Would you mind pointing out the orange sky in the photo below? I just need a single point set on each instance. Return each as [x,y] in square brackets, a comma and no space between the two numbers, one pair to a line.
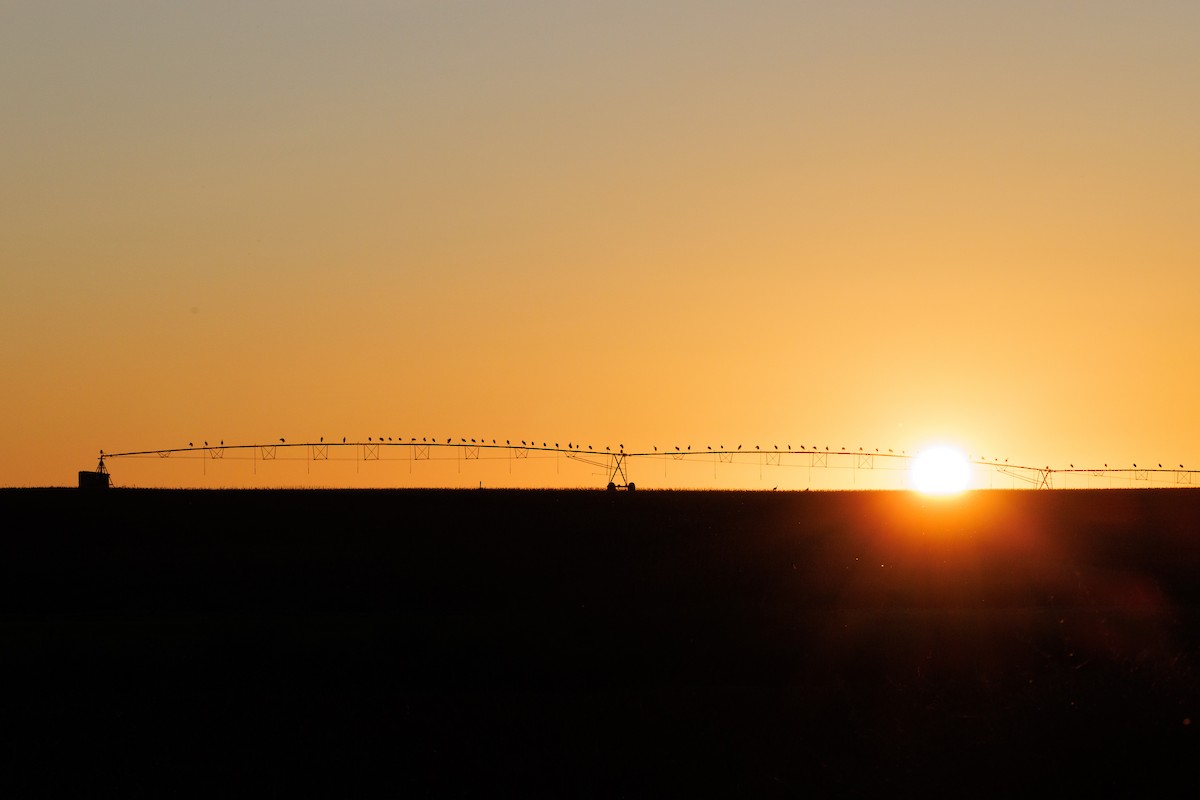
[864,224]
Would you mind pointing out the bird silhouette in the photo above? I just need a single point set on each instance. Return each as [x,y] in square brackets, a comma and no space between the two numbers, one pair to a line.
[676,447]
[222,443]
[190,444]
[689,447]
[321,439]
[710,447]
[281,441]
[739,447]
[656,448]
[343,440]
[756,447]
[1160,466]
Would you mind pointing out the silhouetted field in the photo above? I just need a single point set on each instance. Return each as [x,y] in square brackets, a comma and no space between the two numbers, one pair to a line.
[577,643]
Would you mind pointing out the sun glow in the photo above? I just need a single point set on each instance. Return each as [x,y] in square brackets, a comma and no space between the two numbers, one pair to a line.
[940,470]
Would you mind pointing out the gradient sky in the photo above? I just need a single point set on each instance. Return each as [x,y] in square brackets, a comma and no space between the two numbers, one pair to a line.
[866,224]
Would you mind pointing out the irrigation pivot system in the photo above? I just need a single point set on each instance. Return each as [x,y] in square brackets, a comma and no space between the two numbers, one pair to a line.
[614,463]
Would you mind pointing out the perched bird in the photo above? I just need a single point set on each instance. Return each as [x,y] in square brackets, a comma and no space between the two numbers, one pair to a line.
[739,447]
[206,445]
[190,444]
[281,441]
[320,439]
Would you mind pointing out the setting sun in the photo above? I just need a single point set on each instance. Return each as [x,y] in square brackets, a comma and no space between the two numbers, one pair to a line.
[940,470]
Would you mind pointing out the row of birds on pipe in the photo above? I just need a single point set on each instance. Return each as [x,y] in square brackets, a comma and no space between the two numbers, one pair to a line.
[556,445]
[621,447]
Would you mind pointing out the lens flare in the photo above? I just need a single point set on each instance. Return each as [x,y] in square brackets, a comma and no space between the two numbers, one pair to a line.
[941,469]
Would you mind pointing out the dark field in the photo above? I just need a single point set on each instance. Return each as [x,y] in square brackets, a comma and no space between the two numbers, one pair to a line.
[484,643]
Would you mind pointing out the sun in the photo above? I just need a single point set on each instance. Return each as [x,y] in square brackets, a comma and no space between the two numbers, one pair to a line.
[940,469]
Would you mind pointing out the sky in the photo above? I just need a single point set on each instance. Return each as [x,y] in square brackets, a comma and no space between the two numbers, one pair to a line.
[859,224]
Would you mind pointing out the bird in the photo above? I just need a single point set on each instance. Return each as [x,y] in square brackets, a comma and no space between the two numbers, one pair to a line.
[689,447]
[756,447]
[739,447]
[776,447]
[1160,466]
[589,447]
[281,441]
[676,447]
[710,447]
[656,448]
[190,444]
[368,438]
[789,447]
[506,441]
[801,447]
[522,441]
[321,439]
[206,445]
[343,440]
[222,443]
